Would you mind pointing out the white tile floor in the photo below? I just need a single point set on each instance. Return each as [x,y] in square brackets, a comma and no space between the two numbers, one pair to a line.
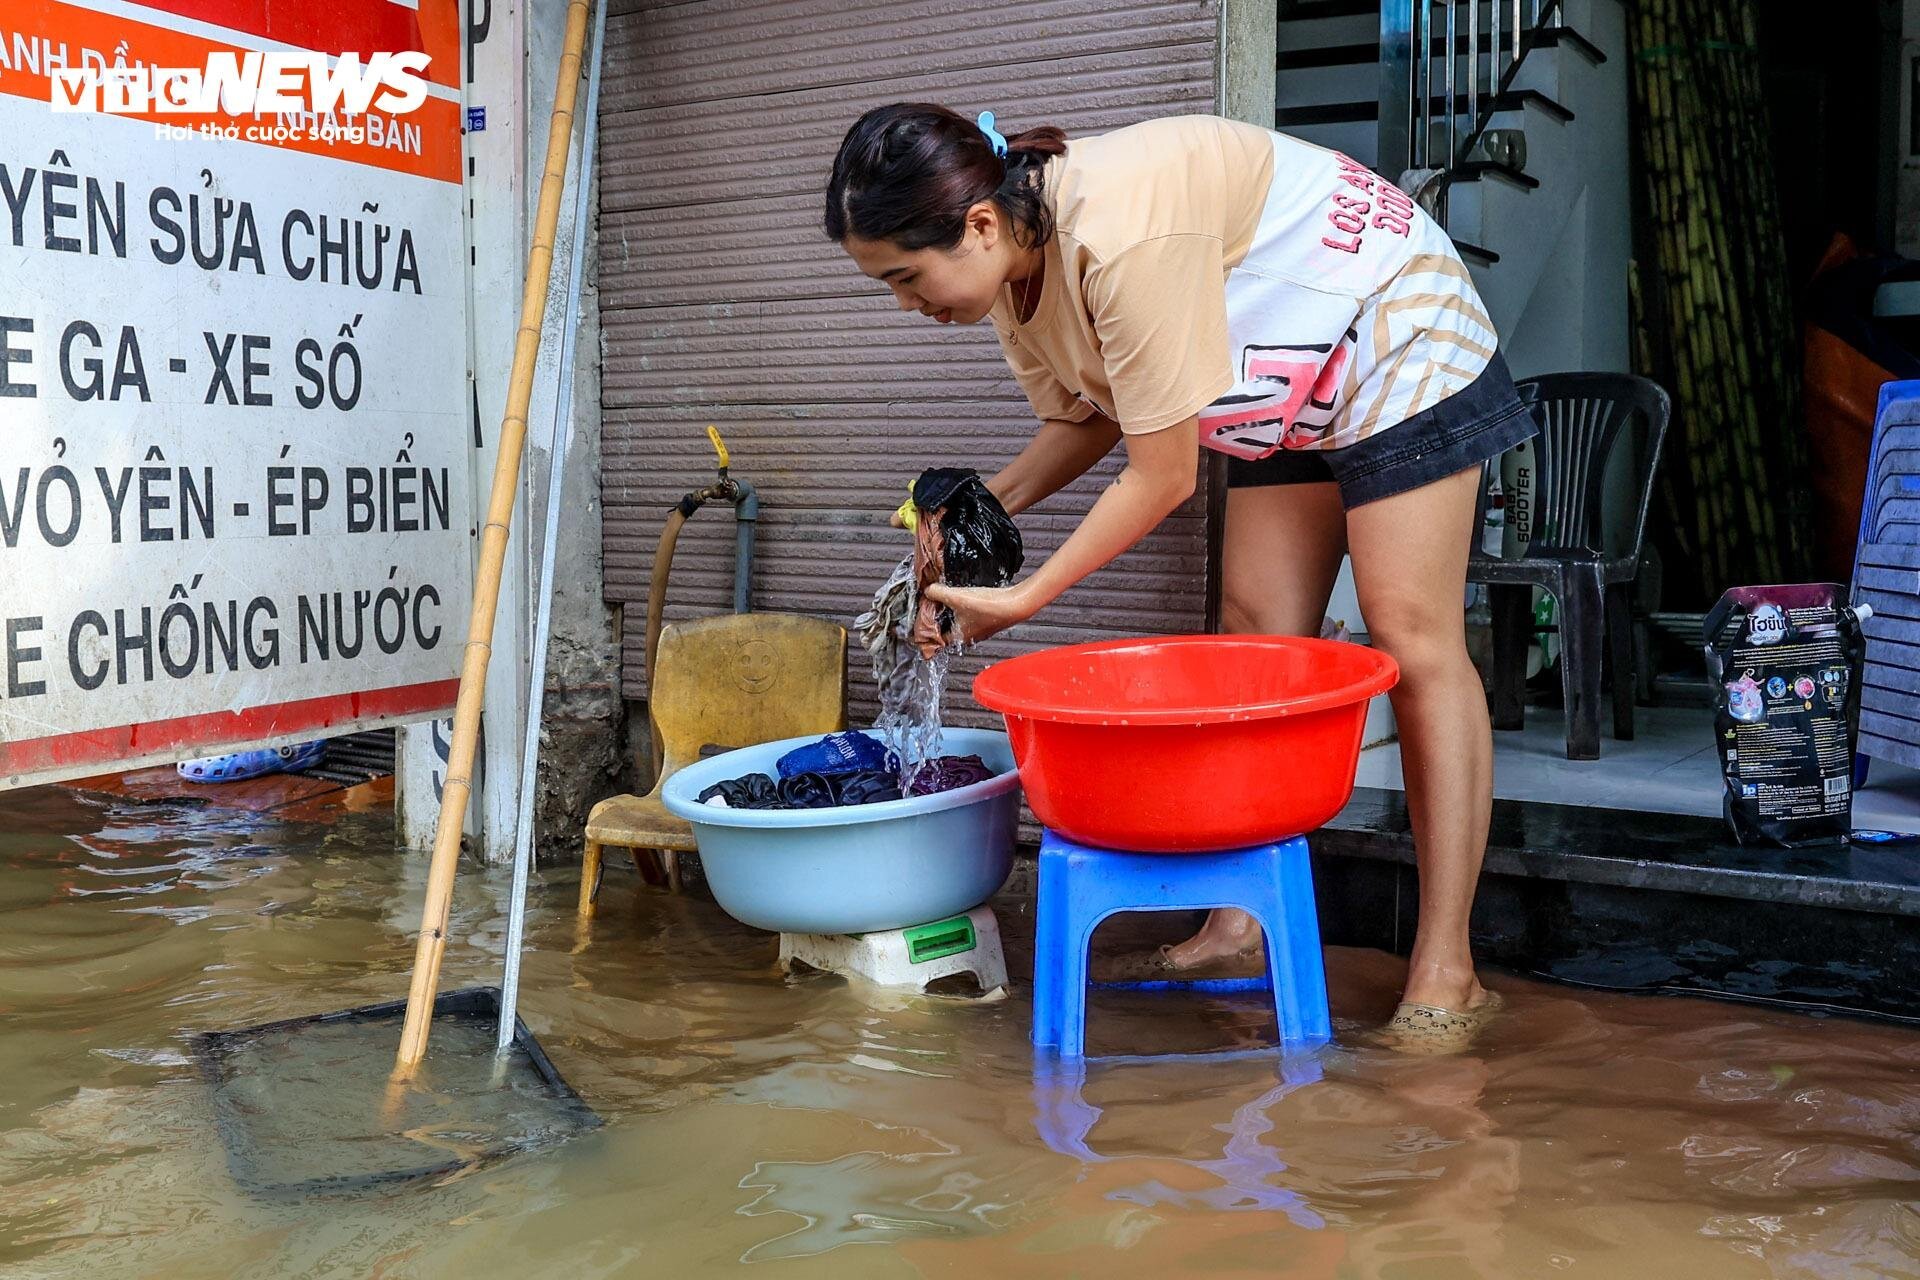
[1669,767]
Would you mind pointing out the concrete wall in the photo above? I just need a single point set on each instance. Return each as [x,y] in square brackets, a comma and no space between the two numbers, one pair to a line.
[582,731]
[516,54]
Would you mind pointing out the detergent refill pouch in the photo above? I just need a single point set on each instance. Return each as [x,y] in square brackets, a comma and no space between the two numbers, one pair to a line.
[1785,663]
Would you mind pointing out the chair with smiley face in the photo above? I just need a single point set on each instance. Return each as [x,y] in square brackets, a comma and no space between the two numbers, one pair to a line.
[720,683]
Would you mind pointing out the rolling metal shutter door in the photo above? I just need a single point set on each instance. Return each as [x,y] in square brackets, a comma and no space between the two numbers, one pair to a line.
[721,301]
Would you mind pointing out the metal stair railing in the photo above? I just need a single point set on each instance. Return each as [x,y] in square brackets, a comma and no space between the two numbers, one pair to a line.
[1431,57]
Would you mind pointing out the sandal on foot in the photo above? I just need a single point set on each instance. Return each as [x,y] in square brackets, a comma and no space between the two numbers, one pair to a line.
[1427,1030]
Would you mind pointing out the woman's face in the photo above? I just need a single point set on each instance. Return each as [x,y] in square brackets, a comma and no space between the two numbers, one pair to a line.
[953,286]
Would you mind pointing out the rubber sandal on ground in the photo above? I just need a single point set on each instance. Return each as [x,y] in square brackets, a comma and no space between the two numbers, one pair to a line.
[1157,966]
[1427,1030]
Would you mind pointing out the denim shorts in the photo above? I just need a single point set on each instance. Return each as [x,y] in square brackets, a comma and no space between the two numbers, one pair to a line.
[1480,421]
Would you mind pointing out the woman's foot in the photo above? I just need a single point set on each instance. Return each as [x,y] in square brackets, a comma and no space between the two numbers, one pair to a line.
[1228,932]
[1157,965]
[1443,986]
[1227,946]
[1442,1009]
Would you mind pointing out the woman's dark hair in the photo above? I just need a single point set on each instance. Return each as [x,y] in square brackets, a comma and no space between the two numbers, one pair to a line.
[908,173]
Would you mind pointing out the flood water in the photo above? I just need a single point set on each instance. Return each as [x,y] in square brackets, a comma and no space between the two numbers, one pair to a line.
[800,1127]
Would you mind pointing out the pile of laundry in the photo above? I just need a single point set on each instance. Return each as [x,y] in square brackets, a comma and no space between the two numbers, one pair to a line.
[842,769]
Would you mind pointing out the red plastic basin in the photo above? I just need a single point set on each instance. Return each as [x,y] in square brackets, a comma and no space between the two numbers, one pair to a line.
[1187,743]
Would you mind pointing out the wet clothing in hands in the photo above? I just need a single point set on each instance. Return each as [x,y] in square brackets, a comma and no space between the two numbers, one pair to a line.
[964,538]
[886,627]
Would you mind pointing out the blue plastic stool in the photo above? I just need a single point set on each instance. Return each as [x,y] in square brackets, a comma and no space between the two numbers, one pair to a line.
[1081,886]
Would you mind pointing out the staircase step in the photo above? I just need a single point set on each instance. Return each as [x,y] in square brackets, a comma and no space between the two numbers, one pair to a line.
[1511,100]
[1345,112]
[1300,10]
[1474,170]
[1333,55]
[1474,252]
[1568,38]
[1541,38]
[1344,54]
[1317,26]
[1327,113]
[1359,139]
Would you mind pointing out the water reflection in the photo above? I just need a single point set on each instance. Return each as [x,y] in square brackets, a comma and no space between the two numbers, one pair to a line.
[1250,1172]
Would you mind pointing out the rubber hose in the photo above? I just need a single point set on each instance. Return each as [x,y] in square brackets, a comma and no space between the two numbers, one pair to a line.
[656,607]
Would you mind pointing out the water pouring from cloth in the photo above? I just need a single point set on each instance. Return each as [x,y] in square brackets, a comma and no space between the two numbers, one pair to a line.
[962,537]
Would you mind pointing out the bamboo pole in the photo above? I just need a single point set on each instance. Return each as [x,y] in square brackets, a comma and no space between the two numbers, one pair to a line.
[493,553]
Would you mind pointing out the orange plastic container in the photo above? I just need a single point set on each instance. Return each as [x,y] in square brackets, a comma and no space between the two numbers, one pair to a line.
[1187,743]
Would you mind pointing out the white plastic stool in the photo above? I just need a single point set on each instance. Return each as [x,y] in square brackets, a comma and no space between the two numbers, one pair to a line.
[912,957]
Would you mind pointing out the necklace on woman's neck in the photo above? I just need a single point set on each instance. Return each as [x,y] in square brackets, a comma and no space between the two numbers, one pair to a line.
[1024,312]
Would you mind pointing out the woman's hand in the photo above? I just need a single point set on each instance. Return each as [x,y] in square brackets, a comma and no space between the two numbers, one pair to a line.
[982,612]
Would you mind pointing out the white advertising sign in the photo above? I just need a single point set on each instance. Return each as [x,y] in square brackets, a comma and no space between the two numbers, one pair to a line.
[235,500]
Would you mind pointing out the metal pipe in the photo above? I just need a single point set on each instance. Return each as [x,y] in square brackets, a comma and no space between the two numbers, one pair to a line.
[1453,117]
[1493,47]
[746,517]
[549,549]
[1393,138]
[1426,85]
[1422,77]
[1473,64]
[1516,35]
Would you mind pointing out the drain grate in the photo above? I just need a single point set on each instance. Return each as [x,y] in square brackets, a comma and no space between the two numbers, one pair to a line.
[355,758]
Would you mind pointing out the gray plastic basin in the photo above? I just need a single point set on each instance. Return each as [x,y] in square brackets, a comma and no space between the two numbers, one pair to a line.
[857,868]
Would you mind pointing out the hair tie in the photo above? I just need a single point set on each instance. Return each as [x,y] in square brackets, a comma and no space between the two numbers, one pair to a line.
[995,138]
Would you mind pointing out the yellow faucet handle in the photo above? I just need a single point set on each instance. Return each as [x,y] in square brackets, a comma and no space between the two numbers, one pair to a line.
[719,446]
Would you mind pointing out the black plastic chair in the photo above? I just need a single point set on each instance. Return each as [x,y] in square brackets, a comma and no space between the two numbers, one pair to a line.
[1585,418]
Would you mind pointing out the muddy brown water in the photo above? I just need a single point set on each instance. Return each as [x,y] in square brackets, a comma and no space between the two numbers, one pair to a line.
[798,1127]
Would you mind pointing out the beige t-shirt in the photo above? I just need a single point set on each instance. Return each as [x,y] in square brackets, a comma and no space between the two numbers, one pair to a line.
[1278,291]
[1132,315]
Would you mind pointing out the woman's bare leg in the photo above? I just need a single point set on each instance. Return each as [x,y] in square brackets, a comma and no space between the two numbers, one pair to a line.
[1282,553]
[1412,595]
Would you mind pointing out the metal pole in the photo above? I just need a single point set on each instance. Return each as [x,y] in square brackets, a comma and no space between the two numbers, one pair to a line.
[556,482]
[1473,64]
[1422,40]
[746,514]
[1426,85]
[1453,116]
[1493,47]
[1516,32]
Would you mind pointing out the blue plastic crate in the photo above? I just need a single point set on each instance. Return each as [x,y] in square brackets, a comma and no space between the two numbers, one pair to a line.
[1886,575]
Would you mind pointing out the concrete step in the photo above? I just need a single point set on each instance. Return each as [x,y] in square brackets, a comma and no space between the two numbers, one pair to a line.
[1317,84]
[1318,25]
[1353,127]
[1359,139]
[1646,902]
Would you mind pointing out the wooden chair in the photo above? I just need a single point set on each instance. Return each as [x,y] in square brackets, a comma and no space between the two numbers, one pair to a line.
[725,682]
